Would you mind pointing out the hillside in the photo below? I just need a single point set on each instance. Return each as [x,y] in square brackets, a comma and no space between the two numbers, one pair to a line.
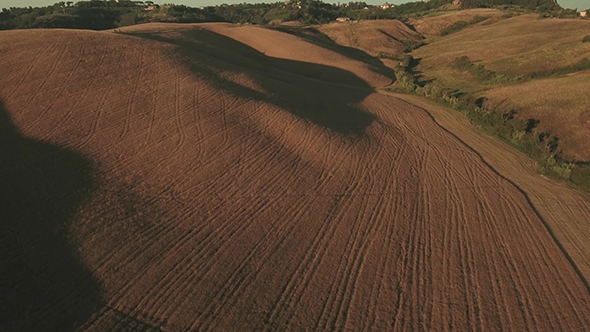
[521,64]
[378,37]
[514,46]
[220,177]
[433,23]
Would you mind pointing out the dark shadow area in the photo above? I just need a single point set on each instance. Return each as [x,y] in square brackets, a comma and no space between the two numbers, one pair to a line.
[323,95]
[388,35]
[316,37]
[410,26]
[414,62]
[419,78]
[479,102]
[43,284]
[531,124]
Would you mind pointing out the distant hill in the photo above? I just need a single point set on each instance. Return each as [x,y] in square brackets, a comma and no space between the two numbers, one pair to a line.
[103,15]
[533,4]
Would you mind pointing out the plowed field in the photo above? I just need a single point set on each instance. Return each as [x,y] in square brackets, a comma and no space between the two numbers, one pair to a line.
[199,179]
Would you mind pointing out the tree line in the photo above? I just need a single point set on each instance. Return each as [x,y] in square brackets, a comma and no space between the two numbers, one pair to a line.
[539,5]
[109,14]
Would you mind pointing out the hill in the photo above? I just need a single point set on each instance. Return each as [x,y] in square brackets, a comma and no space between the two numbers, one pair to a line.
[531,68]
[215,176]
[515,46]
[378,38]
[532,4]
[434,23]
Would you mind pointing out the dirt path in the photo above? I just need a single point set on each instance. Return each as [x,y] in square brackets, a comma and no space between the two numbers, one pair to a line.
[226,198]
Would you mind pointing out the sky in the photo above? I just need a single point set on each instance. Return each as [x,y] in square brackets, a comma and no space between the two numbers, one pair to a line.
[580,4]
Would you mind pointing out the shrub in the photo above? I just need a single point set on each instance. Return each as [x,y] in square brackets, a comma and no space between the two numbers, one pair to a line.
[410,45]
[463,63]
[586,39]
[483,74]
[407,60]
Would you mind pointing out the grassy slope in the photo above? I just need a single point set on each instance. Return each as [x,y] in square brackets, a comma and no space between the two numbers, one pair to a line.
[374,37]
[515,46]
[562,105]
[433,23]
[519,46]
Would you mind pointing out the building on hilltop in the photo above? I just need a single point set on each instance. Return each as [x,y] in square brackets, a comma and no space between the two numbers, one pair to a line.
[584,13]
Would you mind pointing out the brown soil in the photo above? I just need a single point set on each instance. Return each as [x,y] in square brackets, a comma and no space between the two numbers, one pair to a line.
[565,210]
[200,179]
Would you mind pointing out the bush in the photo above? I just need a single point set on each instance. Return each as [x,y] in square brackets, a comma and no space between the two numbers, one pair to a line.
[410,45]
[483,74]
[463,63]
[586,39]
[406,60]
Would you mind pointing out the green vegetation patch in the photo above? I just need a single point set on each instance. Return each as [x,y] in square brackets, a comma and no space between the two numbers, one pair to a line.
[483,75]
[486,76]
[457,26]
[582,65]
[530,4]
[520,133]
[460,25]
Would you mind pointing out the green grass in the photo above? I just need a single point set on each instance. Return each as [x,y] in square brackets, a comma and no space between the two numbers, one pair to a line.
[515,46]
[460,25]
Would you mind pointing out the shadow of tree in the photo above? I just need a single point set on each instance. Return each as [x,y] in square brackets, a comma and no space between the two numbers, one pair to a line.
[323,95]
[41,277]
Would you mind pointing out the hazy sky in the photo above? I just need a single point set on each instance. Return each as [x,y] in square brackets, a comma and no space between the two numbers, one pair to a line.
[580,4]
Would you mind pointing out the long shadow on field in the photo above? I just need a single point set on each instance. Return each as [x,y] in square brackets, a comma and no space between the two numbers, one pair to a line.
[319,38]
[41,277]
[323,95]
